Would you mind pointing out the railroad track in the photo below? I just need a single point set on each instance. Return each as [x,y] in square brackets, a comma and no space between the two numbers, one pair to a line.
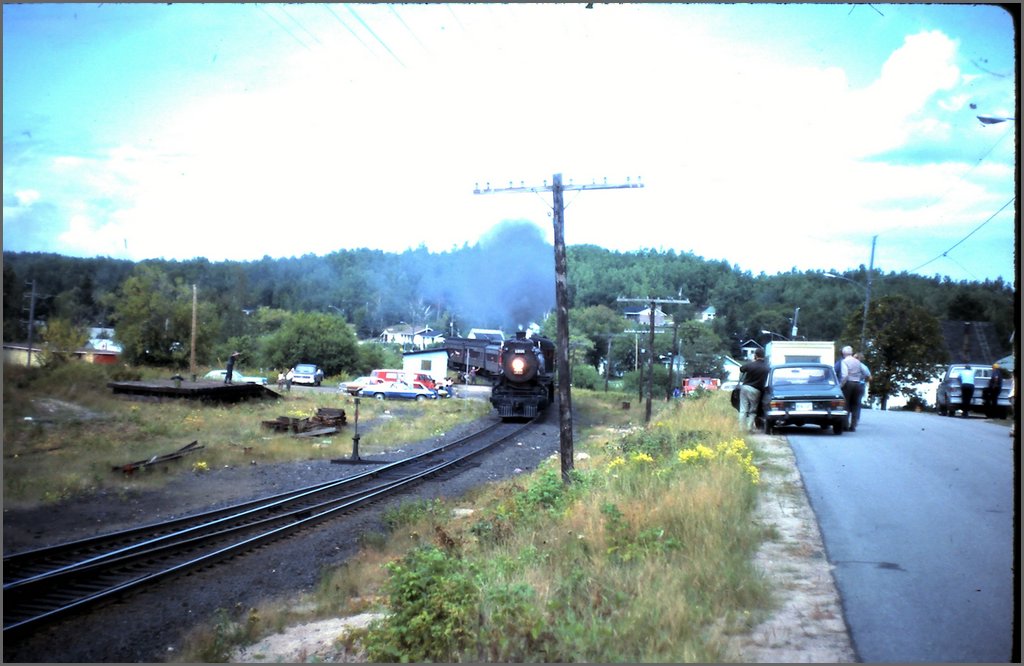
[46,583]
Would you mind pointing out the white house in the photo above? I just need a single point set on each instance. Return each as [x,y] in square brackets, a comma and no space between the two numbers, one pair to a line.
[406,334]
[707,314]
[643,317]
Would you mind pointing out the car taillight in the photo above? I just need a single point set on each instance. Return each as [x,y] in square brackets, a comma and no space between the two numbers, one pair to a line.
[777,404]
[518,365]
[838,404]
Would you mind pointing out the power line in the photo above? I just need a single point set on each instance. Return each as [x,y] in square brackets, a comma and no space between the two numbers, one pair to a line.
[284,27]
[991,217]
[370,30]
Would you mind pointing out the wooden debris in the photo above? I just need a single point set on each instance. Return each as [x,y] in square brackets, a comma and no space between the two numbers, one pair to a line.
[128,468]
[326,421]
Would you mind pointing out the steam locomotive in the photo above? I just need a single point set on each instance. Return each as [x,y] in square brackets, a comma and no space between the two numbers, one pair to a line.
[525,385]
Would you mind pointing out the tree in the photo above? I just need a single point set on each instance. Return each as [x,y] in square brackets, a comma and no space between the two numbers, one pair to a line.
[702,348]
[153,319]
[904,345]
[63,339]
[314,337]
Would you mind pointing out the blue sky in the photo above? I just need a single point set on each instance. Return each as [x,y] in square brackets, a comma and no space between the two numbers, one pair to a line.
[771,136]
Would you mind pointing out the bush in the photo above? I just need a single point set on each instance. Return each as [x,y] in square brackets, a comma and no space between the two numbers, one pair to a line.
[586,377]
[433,601]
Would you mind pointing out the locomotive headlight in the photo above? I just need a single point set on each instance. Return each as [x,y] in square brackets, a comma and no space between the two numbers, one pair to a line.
[518,365]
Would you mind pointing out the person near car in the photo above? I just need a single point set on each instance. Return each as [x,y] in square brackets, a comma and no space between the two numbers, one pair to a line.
[754,376]
[990,394]
[852,384]
[230,369]
[865,379]
[966,390]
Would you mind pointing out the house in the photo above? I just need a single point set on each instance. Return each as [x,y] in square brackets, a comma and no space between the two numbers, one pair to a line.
[732,369]
[707,314]
[643,318]
[433,362]
[973,342]
[747,349]
[21,354]
[408,335]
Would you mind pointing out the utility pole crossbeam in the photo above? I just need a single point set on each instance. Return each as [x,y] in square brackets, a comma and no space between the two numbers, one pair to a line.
[652,303]
[557,188]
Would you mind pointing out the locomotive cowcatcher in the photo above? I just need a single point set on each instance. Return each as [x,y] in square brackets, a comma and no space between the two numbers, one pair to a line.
[526,384]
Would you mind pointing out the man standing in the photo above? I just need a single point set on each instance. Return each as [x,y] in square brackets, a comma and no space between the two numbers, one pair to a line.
[230,368]
[852,384]
[991,392]
[754,376]
[966,390]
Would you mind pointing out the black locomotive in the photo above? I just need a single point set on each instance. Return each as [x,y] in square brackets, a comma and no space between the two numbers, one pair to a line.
[525,385]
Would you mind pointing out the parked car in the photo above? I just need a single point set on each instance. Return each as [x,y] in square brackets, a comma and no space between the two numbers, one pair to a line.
[236,376]
[353,387]
[803,393]
[398,391]
[948,397]
[306,373]
[691,384]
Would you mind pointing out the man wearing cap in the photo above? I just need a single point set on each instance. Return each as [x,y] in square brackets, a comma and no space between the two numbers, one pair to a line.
[991,392]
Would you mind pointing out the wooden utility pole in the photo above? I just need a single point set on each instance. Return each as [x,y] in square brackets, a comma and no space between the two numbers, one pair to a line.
[31,321]
[561,299]
[652,302]
[192,362]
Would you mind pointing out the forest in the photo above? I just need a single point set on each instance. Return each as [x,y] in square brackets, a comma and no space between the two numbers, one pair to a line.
[280,311]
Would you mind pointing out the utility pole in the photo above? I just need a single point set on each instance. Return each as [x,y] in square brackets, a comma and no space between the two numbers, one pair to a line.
[652,303]
[867,297]
[192,362]
[561,299]
[31,320]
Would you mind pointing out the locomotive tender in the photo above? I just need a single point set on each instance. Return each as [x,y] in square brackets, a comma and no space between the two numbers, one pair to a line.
[525,386]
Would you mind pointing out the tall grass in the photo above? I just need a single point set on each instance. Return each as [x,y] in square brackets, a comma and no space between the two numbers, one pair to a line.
[65,431]
[646,556]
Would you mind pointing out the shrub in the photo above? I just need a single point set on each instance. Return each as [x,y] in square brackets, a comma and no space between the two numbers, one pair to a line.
[433,602]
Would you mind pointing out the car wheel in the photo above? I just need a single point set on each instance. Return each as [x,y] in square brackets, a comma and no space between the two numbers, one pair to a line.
[421,398]
[378,396]
[837,427]
[941,409]
[769,427]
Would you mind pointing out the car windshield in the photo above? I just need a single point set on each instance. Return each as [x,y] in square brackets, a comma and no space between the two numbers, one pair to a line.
[802,375]
[305,368]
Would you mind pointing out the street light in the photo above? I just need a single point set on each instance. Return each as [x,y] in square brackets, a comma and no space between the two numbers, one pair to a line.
[867,300]
[765,331]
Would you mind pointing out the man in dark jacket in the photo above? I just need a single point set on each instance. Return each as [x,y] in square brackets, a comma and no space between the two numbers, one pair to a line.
[754,376]
[230,368]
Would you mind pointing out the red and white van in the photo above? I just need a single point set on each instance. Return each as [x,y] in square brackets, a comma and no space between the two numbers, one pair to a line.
[404,376]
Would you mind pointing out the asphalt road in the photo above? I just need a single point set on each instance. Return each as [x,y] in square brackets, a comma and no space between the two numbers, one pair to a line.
[917,514]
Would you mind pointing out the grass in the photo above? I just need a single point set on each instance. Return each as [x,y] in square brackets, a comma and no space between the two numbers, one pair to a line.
[64,430]
[646,556]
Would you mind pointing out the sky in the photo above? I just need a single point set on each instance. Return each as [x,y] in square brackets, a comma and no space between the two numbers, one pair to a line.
[771,136]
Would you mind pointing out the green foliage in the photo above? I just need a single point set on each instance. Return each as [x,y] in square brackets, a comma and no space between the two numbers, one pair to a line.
[904,345]
[433,600]
[310,337]
[153,318]
[408,513]
[63,339]
[586,377]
